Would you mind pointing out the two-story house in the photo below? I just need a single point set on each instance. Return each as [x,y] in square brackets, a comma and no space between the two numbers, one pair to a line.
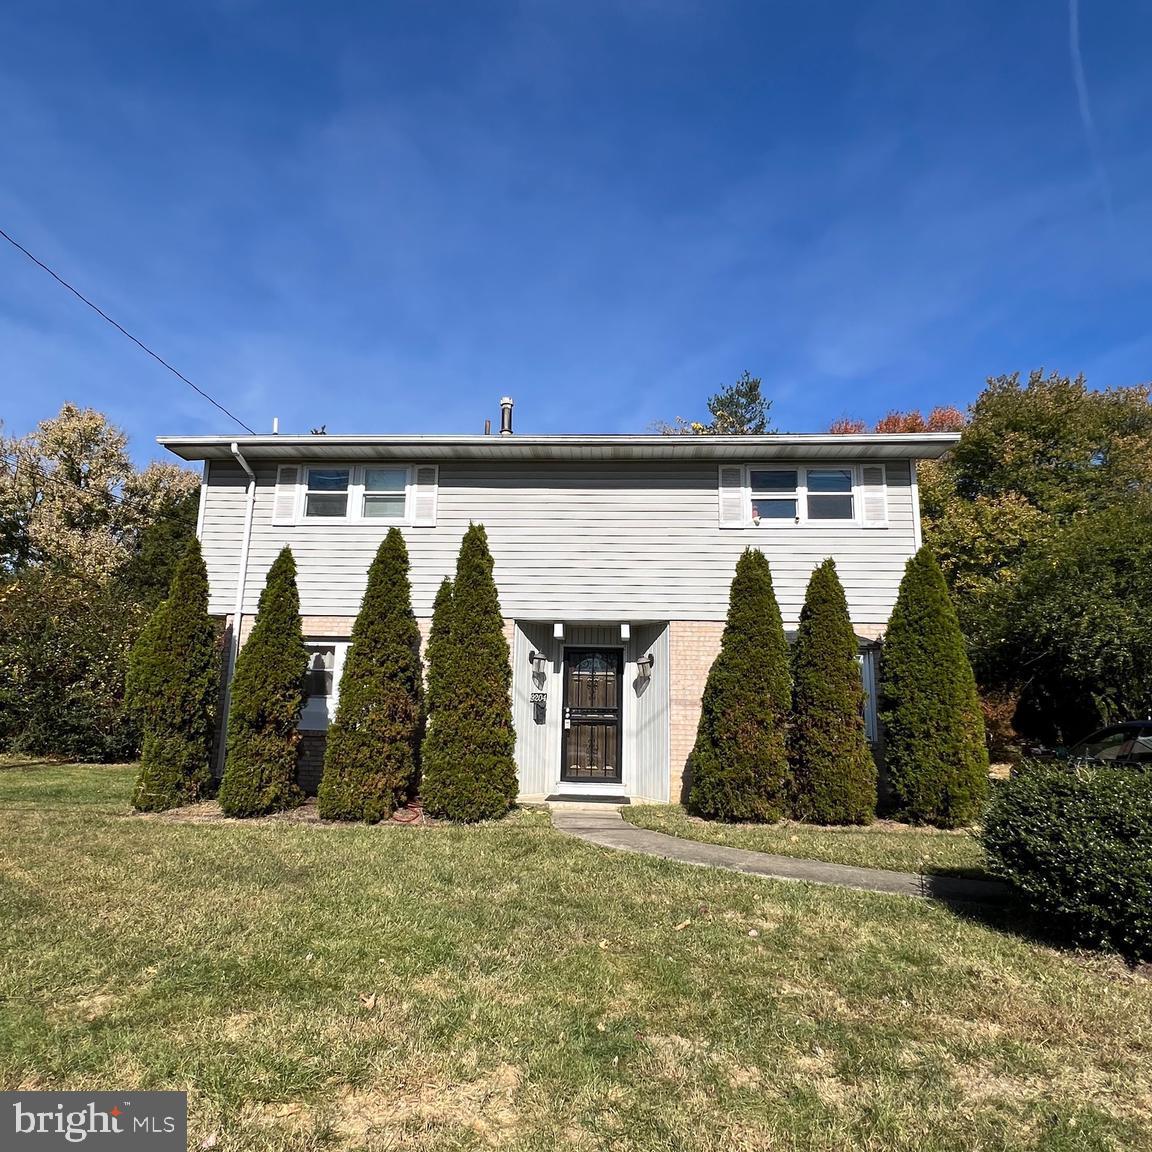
[613,558]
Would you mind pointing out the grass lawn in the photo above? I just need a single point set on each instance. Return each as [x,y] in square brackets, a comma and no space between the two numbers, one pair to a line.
[885,844]
[317,987]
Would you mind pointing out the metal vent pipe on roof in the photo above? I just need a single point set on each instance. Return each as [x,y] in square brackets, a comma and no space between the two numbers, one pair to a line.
[505,415]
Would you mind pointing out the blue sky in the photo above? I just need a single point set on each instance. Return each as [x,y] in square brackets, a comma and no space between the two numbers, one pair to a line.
[382,216]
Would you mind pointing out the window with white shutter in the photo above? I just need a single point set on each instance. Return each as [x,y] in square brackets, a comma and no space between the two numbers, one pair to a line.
[425,482]
[284,505]
[873,496]
[731,490]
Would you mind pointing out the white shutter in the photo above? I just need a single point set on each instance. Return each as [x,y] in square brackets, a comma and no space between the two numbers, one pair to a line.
[425,482]
[873,496]
[284,507]
[732,511]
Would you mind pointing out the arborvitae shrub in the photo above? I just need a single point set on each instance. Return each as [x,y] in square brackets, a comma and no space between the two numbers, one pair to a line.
[171,687]
[833,773]
[738,769]
[370,757]
[438,635]
[267,698]
[1076,846]
[935,754]
[468,767]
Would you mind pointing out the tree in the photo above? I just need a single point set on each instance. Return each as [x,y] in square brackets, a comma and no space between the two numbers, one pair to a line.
[833,773]
[171,687]
[267,698]
[935,753]
[468,771]
[1076,632]
[73,513]
[371,754]
[1037,459]
[70,498]
[1060,446]
[158,547]
[737,410]
[64,643]
[738,768]
[438,644]
[941,419]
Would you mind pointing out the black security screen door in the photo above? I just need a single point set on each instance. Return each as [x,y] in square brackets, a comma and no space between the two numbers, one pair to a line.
[592,679]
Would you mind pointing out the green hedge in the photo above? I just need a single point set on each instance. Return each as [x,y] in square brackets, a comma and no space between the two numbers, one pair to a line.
[1076,845]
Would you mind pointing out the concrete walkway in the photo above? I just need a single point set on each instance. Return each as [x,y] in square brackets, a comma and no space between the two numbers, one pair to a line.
[610,830]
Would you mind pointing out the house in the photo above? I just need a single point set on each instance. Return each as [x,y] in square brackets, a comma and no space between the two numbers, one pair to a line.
[613,558]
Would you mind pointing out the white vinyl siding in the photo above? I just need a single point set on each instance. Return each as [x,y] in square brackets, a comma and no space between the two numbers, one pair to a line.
[603,541]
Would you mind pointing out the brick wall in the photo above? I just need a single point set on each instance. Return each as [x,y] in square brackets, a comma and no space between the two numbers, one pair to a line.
[692,647]
[310,761]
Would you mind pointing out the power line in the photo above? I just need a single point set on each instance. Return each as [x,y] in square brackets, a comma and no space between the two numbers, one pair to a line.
[120,327]
[61,481]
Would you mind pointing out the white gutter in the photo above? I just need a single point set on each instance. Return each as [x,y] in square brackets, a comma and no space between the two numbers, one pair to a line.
[238,605]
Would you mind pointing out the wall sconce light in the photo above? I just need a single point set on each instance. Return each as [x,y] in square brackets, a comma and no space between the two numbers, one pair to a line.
[625,632]
[558,631]
[539,663]
[644,666]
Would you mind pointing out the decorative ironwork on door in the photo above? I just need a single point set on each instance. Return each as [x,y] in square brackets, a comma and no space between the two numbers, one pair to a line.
[592,679]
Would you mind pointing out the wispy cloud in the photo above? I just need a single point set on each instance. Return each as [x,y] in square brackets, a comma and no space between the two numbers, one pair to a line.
[1091,136]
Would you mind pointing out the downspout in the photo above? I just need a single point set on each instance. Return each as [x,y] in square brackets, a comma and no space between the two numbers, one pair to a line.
[238,605]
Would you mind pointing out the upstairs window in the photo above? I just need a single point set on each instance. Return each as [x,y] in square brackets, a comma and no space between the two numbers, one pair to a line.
[385,493]
[775,494]
[326,493]
[830,494]
[770,496]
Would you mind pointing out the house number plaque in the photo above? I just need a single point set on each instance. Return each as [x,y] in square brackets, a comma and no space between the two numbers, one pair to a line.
[538,698]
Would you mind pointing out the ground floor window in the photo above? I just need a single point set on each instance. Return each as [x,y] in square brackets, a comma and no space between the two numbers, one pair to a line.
[322,682]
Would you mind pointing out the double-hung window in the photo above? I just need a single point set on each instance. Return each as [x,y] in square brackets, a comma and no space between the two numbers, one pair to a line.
[778,496]
[377,493]
[775,494]
[385,494]
[326,491]
[801,495]
[830,493]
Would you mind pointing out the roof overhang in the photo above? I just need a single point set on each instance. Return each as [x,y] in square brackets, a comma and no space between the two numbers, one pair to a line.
[783,446]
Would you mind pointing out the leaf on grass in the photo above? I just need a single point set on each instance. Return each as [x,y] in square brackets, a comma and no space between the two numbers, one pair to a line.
[209,1141]
[682,925]
[369,1001]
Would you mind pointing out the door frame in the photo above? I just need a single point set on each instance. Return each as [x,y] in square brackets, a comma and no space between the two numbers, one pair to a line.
[593,786]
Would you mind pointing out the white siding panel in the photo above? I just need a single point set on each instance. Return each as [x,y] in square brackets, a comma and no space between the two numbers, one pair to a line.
[601,542]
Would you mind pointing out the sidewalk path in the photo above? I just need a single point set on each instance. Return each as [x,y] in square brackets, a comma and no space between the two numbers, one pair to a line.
[610,830]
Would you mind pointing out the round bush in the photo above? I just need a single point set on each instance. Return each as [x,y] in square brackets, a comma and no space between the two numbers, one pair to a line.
[1076,845]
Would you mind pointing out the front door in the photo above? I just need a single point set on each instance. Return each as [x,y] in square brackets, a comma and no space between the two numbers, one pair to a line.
[592,691]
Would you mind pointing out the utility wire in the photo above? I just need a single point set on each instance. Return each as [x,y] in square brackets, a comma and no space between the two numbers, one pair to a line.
[62,482]
[120,327]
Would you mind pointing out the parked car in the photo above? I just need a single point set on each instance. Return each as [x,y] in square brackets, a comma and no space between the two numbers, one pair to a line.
[1127,743]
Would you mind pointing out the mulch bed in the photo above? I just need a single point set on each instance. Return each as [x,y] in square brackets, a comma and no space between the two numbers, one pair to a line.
[208,812]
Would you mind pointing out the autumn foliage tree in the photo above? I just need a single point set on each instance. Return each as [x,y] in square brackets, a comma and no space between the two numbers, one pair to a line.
[833,772]
[738,768]
[371,752]
[171,687]
[267,699]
